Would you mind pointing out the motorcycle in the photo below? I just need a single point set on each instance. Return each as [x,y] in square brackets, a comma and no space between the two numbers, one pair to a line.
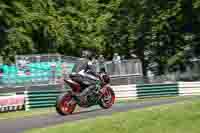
[103,95]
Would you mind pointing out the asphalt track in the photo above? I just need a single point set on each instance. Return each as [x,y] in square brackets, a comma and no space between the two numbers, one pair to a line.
[23,124]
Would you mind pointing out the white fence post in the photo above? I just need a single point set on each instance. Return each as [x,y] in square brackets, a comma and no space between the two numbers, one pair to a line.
[26,101]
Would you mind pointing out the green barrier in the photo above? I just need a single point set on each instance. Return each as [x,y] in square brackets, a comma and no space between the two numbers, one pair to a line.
[151,90]
[161,84]
[157,90]
[41,99]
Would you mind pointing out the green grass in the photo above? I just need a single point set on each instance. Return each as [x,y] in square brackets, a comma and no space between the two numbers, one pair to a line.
[22,114]
[182,117]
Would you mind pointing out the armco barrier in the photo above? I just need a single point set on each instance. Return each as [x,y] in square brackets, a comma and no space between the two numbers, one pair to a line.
[41,99]
[125,92]
[152,90]
[189,88]
[47,98]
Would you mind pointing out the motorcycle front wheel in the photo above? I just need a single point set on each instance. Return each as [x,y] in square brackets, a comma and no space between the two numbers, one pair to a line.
[107,99]
[65,104]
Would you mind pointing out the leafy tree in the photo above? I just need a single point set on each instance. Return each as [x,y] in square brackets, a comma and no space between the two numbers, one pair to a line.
[159,32]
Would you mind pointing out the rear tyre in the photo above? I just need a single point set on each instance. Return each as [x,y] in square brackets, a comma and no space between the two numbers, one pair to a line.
[107,99]
[65,104]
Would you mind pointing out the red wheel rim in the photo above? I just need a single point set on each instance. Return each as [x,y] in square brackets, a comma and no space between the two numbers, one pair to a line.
[65,106]
[108,98]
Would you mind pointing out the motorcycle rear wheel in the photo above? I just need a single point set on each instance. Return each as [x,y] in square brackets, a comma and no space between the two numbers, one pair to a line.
[63,105]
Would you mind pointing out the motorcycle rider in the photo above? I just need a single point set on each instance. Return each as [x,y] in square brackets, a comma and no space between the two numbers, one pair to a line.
[86,74]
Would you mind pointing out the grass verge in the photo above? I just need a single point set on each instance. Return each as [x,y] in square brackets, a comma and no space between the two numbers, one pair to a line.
[182,117]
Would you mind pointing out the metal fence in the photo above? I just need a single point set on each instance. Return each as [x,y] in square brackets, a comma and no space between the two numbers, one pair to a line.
[50,69]
[37,58]
[32,69]
[126,80]
[70,59]
[183,76]
[124,68]
[23,79]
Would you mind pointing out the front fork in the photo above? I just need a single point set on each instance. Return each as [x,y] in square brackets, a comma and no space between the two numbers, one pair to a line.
[102,91]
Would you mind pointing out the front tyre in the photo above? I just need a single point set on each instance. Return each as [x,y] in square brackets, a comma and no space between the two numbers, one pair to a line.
[107,99]
[65,104]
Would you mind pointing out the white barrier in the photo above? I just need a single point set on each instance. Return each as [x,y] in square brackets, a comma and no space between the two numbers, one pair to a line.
[189,88]
[125,92]
[11,103]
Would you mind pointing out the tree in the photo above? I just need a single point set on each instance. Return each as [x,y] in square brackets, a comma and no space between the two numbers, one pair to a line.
[47,26]
[159,32]
[156,30]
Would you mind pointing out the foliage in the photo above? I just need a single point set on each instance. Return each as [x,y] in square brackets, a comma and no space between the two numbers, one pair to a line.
[159,32]
[47,26]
